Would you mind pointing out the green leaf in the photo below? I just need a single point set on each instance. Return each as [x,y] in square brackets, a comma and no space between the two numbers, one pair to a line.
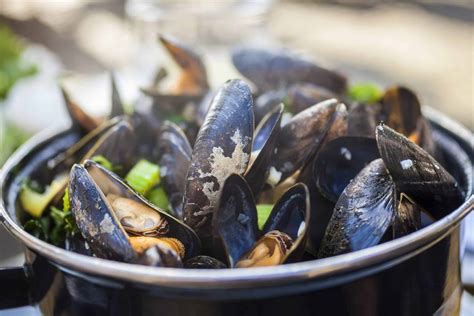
[66,205]
[143,176]
[263,212]
[365,92]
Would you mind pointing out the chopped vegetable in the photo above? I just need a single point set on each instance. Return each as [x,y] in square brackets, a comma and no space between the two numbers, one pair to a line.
[158,197]
[365,92]
[263,212]
[176,118]
[104,162]
[34,203]
[143,176]
[39,227]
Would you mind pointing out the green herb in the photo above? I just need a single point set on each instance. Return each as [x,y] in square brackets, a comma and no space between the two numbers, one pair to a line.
[365,92]
[104,162]
[66,205]
[38,227]
[263,212]
[12,67]
[143,176]
[158,197]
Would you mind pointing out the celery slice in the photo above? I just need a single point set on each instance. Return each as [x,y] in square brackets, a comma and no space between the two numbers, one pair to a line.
[263,212]
[35,203]
[143,176]
[103,161]
[158,197]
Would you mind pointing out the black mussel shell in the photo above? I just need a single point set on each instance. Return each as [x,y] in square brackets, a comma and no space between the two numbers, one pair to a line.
[303,95]
[401,110]
[301,137]
[266,102]
[417,174]
[273,69]
[363,212]
[175,157]
[79,118]
[363,119]
[266,135]
[291,215]
[340,161]
[407,217]
[204,262]
[222,147]
[235,225]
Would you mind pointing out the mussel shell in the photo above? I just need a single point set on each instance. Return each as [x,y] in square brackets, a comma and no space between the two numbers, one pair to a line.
[266,135]
[401,109]
[266,102]
[407,217]
[340,161]
[273,69]
[194,76]
[291,215]
[300,138]
[175,158]
[79,118]
[222,147]
[303,95]
[117,104]
[117,145]
[235,227]
[204,262]
[98,225]
[363,119]
[417,174]
[110,183]
[363,212]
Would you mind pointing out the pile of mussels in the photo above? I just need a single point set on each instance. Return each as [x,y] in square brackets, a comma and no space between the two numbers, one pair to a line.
[335,175]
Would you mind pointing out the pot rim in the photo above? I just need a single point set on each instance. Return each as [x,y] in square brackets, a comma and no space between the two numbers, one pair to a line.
[236,278]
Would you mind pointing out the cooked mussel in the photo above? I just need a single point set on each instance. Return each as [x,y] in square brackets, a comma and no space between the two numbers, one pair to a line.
[204,262]
[235,226]
[109,213]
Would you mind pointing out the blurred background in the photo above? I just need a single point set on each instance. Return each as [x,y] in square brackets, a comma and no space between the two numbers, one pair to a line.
[425,45]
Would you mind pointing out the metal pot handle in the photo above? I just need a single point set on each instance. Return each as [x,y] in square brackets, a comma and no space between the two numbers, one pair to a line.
[14,287]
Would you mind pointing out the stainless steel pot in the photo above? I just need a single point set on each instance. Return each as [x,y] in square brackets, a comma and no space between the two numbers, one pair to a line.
[414,275]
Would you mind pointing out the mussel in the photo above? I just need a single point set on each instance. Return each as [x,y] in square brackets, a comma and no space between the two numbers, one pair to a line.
[235,227]
[109,214]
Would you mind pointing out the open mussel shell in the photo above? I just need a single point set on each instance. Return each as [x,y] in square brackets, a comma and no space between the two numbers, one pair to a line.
[235,227]
[175,157]
[273,69]
[222,147]
[204,262]
[291,215]
[340,161]
[104,187]
[301,137]
[117,104]
[97,223]
[266,135]
[417,174]
[362,213]
[266,102]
